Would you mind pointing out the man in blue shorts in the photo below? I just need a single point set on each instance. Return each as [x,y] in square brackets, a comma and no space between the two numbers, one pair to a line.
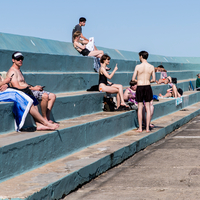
[144,72]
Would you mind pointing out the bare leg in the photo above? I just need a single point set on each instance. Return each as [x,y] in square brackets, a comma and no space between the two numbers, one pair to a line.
[52,98]
[110,90]
[118,100]
[144,114]
[44,104]
[41,123]
[96,53]
[151,110]
[140,107]
[168,94]
[175,91]
[120,88]
[148,115]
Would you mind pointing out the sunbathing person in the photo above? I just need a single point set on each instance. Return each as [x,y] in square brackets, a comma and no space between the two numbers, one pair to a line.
[165,80]
[106,86]
[173,92]
[130,95]
[41,123]
[160,68]
[82,48]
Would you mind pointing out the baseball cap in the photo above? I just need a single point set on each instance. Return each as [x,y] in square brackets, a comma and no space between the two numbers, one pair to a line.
[17,54]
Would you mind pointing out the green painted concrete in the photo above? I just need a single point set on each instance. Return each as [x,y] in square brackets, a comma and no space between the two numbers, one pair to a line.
[89,172]
[67,107]
[6,116]
[44,56]
[51,146]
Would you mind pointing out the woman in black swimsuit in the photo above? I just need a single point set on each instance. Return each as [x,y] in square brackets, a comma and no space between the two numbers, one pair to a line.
[82,48]
[106,86]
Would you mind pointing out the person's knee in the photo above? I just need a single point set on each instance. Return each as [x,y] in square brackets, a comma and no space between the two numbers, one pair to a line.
[120,87]
[52,96]
[45,97]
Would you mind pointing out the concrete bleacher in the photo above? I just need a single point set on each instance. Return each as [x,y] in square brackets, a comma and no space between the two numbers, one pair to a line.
[48,165]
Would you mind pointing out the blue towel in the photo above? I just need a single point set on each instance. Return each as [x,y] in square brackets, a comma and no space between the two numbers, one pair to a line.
[22,105]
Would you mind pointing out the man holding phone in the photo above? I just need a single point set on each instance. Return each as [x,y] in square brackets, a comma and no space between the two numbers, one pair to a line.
[47,99]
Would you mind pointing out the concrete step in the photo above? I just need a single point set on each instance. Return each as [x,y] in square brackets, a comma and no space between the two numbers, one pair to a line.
[177,65]
[78,81]
[60,177]
[41,147]
[73,104]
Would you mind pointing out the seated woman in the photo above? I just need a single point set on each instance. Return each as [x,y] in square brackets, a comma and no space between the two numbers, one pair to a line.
[173,92]
[18,97]
[106,86]
[163,74]
[82,48]
[130,95]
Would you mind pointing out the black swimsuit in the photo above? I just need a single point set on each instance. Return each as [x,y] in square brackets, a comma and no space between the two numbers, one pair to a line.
[103,79]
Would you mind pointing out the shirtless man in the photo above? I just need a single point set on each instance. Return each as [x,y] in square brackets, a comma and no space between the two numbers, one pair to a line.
[41,123]
[19,83]
[144,71]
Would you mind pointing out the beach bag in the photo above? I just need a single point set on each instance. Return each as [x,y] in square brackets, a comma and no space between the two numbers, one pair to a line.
[109,104]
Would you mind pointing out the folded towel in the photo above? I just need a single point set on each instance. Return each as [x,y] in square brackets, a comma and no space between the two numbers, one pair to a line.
[22,105]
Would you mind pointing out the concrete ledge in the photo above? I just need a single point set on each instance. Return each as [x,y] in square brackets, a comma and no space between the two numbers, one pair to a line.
[85,165]
[89,172]
[75,104]
[6,116]
[39,148]
[71,82]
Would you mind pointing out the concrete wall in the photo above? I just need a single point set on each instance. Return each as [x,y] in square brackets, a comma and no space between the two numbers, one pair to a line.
[49,55]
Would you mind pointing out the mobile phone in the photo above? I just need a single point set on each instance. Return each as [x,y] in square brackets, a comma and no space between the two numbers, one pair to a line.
[12,75]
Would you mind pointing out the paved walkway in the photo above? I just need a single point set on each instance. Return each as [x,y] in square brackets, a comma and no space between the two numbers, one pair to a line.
[167,170]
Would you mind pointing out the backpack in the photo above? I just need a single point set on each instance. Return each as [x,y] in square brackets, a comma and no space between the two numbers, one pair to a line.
[109,104]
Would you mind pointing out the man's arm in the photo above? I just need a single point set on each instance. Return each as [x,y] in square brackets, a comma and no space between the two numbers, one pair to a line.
[135,74]
[84,37]
[125,96]
[153,76]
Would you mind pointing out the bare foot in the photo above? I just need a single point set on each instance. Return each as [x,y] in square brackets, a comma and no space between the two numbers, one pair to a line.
[139,130]
[147,131]
[48,126]
[123,104]
[160,95]
[44,128]
[152,125]
[50,121]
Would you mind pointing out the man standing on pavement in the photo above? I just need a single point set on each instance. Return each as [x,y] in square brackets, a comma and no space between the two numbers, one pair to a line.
[144,72]
[47,99]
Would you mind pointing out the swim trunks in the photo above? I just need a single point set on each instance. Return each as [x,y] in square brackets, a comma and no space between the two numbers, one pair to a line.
[85,52]
[38,94]
[144,93]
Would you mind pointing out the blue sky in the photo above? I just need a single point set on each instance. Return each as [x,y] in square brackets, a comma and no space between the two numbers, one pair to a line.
[163,27]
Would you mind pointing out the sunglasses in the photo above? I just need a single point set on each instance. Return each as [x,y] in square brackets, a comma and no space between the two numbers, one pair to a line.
[20,58]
